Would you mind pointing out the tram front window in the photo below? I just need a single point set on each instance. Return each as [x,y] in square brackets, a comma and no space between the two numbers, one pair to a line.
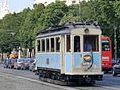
[91,43]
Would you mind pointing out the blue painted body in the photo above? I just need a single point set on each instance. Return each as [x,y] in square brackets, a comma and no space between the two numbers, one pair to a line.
[71,61]
[75,61]
[78,59]
[48,60]
[68,62]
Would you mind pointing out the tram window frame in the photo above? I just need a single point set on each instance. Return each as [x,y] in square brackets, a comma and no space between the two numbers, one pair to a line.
[77,45]
[47,45]
[38,46]
[52,44]
[68,43]
[57,42]
[43,45]
[93,44]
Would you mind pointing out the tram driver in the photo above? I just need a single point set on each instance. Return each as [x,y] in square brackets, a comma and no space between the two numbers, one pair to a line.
[88,46]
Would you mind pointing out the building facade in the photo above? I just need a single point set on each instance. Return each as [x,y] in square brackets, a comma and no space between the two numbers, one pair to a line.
[68,2]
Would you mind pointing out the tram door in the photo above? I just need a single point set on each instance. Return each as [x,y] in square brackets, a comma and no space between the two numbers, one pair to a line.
[73,55]
[77,55]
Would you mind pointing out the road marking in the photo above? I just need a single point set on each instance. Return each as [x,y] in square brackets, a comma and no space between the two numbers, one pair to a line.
[41,82]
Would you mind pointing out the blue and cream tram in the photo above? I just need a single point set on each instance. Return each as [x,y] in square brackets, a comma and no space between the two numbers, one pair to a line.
[70,53]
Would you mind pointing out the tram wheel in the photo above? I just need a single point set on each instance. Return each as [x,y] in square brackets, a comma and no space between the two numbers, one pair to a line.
[89,81]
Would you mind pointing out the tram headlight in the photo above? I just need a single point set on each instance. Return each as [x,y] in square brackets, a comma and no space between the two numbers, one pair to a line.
[86,30]
[87,58]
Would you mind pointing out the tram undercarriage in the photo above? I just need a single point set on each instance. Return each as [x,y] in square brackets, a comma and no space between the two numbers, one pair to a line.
[54,76]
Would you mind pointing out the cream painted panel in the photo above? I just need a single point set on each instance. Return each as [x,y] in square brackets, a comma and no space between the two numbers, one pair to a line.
[62,51]
[81,31]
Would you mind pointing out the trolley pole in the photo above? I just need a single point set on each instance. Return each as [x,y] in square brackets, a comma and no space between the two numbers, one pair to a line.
[115,44]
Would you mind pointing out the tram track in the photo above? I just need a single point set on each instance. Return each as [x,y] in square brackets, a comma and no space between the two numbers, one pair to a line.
[11,73]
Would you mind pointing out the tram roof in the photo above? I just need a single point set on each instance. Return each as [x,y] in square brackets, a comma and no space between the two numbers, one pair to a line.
[65,29]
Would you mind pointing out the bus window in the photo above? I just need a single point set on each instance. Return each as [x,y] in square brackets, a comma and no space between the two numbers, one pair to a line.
[47,45]
[105,46]
[43,45]
[57,44]
[68,43]
[77,44]
[91,43]
[38,45]
[52,44]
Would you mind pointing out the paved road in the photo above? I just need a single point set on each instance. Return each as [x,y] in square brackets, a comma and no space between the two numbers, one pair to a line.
[10,82]
[27,80]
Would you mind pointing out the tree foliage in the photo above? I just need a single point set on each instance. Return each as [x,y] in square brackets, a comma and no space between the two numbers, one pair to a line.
[27,23]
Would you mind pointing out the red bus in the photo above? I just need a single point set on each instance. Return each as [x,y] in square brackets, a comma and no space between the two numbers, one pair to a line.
[106,53]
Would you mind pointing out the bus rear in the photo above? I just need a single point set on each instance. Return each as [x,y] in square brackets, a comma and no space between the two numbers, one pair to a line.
[106,53]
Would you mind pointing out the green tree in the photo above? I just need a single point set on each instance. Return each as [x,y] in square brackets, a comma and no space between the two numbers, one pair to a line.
[80,12]
[72,15]
[5,41]
[25,28]
[52,15]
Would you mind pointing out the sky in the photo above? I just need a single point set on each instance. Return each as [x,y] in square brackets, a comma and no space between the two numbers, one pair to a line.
[19,5]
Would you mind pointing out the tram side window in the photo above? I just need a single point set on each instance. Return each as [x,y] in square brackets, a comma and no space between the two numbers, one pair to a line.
[38,45]
[68,43]
[52,44]
[77,44]
[91,43]
[57,44]
[43,45]
[47,45]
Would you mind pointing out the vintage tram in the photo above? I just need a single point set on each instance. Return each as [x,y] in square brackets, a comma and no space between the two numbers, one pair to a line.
[69,53]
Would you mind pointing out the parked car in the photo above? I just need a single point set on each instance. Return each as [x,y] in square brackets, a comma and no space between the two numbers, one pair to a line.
[6,63]
[18,64]
[11,63]
[32,65]
[116,69]
[26,63]
[113,62]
